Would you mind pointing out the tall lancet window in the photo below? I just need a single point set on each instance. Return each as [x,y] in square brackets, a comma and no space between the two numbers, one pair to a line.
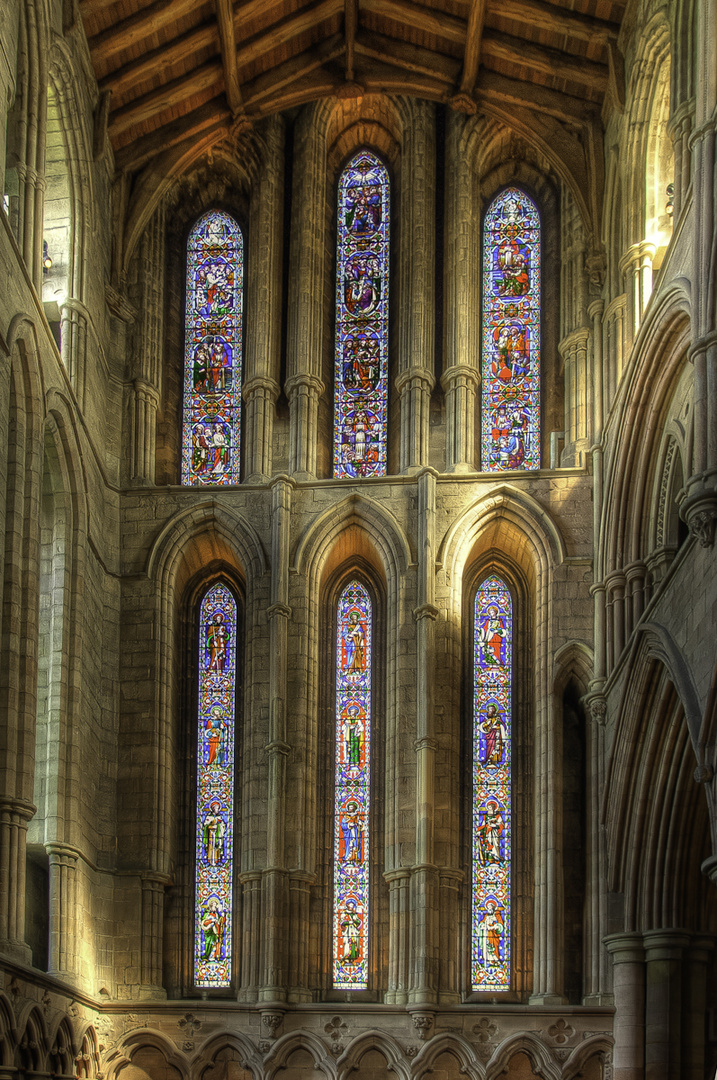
[361,357]
[212,351]
[352,790]
[511,334]
[216,714]
[491,825]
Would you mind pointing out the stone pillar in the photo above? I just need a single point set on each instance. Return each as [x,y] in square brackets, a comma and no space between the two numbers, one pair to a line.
[597,980]
[595,311]
[698,962]
[417,256]
[143,432]
[150,350]
[699,509]
[636,265]
[628,954]
[153,887]
[73,345]
[636,594]
[615,586]
[578,405]
[307,276]
[615,323]
[461,299]
[425,873]
[263,326]
[63,907]
[274,885]
[9,12]
[663,1003]
[679,128]
[14,817]
[252,931]
[398,936]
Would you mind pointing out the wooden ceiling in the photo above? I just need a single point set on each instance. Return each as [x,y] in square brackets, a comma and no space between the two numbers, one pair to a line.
[183,70]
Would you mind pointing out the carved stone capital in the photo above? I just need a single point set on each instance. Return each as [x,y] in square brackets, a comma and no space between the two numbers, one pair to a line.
[463,103]
[423,1022]
[426,611]
[459,375]
[282,610]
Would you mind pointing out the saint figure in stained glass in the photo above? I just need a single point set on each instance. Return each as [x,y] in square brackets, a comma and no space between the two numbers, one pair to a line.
[491,817]
[361,357]
[511,334]
[214,846]
[212,352]
[352,788]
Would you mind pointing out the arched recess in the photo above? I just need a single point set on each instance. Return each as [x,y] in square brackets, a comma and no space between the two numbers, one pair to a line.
[357,535]
[655,815]
[509,531]
[447,1057]
[643,405]
[33,1043]
[375,1055]
[523,1055]
[300,1055]
[203,543]
[227,1057]
[145,1054]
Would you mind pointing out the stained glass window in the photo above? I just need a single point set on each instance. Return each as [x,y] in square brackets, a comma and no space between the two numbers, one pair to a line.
[491,825]
[511,334]
[361,358]
[352,791]
[212,351]
[215,788]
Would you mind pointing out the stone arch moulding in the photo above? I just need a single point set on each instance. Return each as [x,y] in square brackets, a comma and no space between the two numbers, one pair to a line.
[396,1062]
[588,1048]
[383,529]
[574,659]
[425,1059]
[27,348]
[7,1030]
[180,530]
[526,1043]
[514,505]
[285,1046]
[145,1039]
[207,1054]
[31,1025]
[656,643]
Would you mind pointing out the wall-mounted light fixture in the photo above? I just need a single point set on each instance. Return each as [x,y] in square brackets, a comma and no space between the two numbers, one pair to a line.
[670,204]
[46,260]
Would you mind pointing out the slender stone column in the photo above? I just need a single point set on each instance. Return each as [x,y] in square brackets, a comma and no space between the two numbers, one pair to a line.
[153,887]
[663,1003]
[699,959]
[398,936]
[252,930]
[274,885]
[9,13]
[263,325]
[615,586]
[63,905]
[417,258]
[149,352]
[578,404]
[597,976]
[595,311]
[636,265]
[628,955]
[461,299]
[615,323]
[14,817]
[635,587]
[73,340]
[679,128]
[307,276]
[144,432]
[425,873]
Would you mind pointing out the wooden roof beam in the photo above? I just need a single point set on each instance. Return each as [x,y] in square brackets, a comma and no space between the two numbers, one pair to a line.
[550,62]
[265,87]
[283,31]
[557,21]
[124,79]
[350,27]
[211,118]
[170,96]
[137,27]
[471,57]
[421,18]
[514,93]
[409,57]
[228,45]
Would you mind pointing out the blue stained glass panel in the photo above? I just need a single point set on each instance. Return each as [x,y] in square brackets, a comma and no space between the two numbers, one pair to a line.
[492,812]
[361,358]
[215,788]
[511,334]
[352,788]
[213,352]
